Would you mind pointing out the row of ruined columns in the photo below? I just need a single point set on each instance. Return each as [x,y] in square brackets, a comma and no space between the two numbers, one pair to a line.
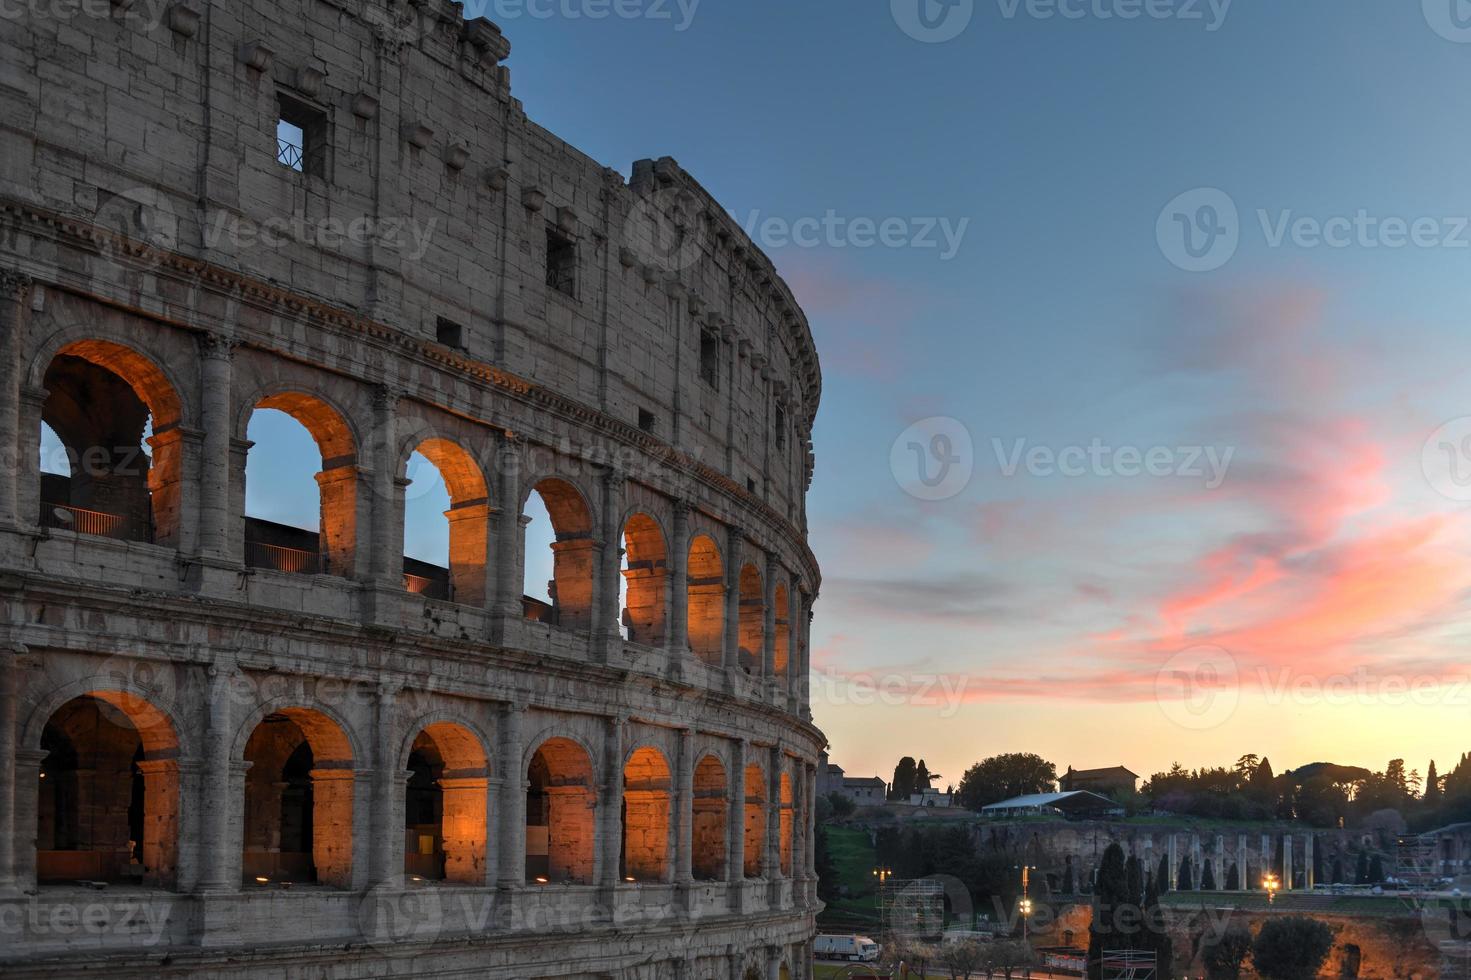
[1222,861]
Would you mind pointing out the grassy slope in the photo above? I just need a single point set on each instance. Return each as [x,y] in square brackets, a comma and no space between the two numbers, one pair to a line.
[853,857]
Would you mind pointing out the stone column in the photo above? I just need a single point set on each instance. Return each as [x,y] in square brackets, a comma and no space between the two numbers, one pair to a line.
[1243,882]
[1174,859]
[510,857]
[27,488]
[1287,862]
[1310,878]
[15,298]
[610,572]
[806,659]
[771,862]
[1268,858]
[9,698]
[27,786]
[610,811]
[735,826]
[216,374]
[684,816]
[796,677]
[221,810]
[385,559]
[809,861]
[386,833]
[768,629]
[733,561]
[509,534]
[679,581]
[1221,871]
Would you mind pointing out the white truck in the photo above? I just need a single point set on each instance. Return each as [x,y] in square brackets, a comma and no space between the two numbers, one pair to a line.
[855,948]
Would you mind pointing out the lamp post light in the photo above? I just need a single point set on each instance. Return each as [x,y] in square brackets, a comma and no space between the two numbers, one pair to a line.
[1271,883]
[883,874]
[1025,905]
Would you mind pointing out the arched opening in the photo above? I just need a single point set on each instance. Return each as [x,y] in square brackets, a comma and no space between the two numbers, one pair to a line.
[108,793]
[291,525]
[298,800]
[752,625]
[645,581]
[782,645]
[710,816]
[706,600]
[755,820]
[785,816]
[569,591]
[445,806]
[446,524]
[646,816]
[560,803]
[117,418]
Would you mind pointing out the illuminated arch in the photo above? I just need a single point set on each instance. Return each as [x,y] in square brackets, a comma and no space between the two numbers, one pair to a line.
[710,819]
[755,829]
[646,815]
[646,579]
[752,620]
[466,578]
[445,803]
[573,551]
[706,600]
[560,803]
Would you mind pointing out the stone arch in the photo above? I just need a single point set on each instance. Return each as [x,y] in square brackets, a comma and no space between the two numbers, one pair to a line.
[782,641]
[332,549]
[299,794]
[786,816]
[561,797]
[646,815]
[752,620]
[710,817]
[103,397]
[466,580]
[446,801]
[108,798]
[574,552]
[646,580]
[706,600]
[755,828]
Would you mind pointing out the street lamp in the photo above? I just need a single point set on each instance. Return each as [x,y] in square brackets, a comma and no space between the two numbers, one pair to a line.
[883,874]
[1271,883]
[1025,905]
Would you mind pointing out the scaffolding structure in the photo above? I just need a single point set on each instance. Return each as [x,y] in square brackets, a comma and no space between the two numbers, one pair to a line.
[912,909]
[1416,862]
[1130,964]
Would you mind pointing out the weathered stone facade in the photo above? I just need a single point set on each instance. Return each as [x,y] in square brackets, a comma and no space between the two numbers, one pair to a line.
[290,751]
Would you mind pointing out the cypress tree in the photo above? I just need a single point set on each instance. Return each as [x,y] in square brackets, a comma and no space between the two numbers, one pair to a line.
[1162,877]
[1187,879]
[1208,877]
[1156,936]
[1134,879]
[1432,784]
[1361,873]
[1233,878]
[1337,869]
[1109,893]
[1376,870]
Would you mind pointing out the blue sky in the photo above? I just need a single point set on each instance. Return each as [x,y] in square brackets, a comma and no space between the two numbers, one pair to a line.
[1309,602]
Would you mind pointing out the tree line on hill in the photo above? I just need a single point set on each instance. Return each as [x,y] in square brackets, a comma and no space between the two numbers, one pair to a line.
[1319,795]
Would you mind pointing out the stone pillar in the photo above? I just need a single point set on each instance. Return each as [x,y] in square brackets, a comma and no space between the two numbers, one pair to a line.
[1221,871]
[735,826]
[796,676]
[684,800]
[9,699]
[223,783]
[15,298]
[768,629]
[27,488]
[1243,882]
[679,595]
[731,660]
[510,858]
[333,792]
[385,557]
[806,658]
[1287,862]
[216,374]
[386,833]
[1310,877]
[27,786]
[610,811]
[469,552]
[1268,858]
[610,571]
[1174,861]
[771,862]
[509,535]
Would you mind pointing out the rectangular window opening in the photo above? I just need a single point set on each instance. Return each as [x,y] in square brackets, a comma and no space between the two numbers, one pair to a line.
[561,263]
[450,333]
[710,358]
[781,427]
[646,420]
[301,137]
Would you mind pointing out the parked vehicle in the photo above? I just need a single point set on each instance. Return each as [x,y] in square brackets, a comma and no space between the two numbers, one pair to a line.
[854,948]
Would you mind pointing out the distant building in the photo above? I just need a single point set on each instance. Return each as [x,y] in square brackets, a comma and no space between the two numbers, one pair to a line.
[1077,805]
[1452,854]
[931,797]
[1112,782]
[862,790]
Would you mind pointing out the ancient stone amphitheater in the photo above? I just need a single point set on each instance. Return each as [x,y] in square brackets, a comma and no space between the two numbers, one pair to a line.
[234,747]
